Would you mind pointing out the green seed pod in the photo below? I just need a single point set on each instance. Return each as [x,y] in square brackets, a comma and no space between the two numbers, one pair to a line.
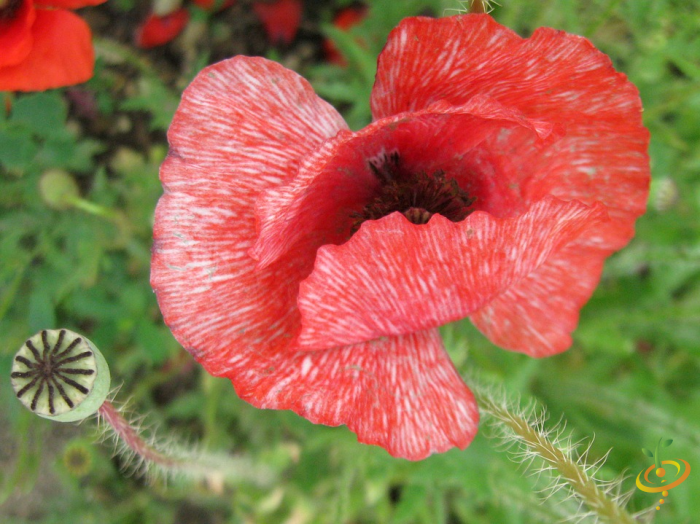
[58,189]
[60,375]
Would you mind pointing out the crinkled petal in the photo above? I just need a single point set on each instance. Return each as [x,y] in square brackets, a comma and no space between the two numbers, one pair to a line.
[243,126]
[49,65]
[537,315]
[486,147]
[394,277]
[16,38]
[67,4]
[553,76]
[401,393]
[598,162]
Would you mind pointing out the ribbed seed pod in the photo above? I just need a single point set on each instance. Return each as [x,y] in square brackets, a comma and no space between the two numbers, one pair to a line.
[60,375]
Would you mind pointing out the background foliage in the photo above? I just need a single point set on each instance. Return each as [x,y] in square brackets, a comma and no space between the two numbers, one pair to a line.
[632,376]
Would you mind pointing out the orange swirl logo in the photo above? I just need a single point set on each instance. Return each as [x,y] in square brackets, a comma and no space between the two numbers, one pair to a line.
[662,485]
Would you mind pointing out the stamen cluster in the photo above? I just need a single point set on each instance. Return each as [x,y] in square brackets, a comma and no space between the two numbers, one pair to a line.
[8,8]
[418,196]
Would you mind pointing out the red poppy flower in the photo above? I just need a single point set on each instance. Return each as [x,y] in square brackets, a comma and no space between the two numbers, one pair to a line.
[214,5]
[30,59]
[158,30]
[312,265]
[344,20]
[280,18]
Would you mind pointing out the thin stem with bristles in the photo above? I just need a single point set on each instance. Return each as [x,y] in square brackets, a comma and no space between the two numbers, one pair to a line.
[129,436]
[535,443]
[480,6]
[154,457]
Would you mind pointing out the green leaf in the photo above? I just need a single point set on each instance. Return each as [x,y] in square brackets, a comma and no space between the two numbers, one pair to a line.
[42,113]
[41,311]
[17,148]
[667,443]
[62,150]
[647,453]
[156,99]
[354,52]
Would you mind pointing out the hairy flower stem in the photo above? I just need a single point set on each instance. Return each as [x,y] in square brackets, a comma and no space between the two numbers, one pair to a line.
[478,6]
[151,458]
[129,436]
[581,484]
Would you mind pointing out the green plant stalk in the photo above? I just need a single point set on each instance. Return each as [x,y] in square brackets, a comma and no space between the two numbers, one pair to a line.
[93,209]
[580,482]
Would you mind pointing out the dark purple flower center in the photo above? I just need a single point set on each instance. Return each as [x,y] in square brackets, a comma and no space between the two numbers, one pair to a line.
[8,9]
[418,196]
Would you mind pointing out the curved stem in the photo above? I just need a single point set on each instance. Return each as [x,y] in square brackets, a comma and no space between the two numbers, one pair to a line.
[130,437]
[214,469]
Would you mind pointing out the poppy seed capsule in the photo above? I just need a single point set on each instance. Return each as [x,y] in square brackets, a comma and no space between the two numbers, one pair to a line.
[58,189]
[60,375]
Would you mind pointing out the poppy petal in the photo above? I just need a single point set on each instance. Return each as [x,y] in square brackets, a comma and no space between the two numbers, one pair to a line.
[159,30]
[598,162]
[537,315]
[281,19]
[424,276]
[243,126]
[49,65]
[553,76]
[478,144]
[67,4]
[401,393]
[16,37]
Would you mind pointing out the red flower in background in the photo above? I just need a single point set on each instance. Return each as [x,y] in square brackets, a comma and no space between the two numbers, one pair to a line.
[43,45]
[281,19]
[312,265]
[158,30]
[344,20]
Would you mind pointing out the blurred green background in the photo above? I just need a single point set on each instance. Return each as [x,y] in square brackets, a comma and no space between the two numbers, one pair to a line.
[631,377]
